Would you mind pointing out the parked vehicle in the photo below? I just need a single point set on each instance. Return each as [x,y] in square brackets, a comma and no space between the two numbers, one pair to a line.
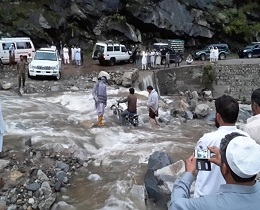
[172,46]
[111,53]
[130,119]
[250,51]
[23,46]
[45,62]
[204,54]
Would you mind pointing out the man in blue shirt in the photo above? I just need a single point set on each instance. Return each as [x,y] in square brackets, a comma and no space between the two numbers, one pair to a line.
[238,159]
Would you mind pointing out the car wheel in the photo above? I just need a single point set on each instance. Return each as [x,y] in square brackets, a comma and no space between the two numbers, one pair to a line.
[202,57]
[222,56]
[58,76]
[112,61]
[131,60]
[249,55]
[29,76]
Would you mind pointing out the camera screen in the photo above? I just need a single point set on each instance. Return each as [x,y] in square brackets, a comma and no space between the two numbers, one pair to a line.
[202,154]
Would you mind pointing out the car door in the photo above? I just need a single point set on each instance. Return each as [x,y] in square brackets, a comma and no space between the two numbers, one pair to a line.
[256,50]
[124,53]
[5,53]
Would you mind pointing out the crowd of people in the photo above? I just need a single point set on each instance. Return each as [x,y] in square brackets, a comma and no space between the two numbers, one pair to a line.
[231,183]
[152,59]
[73,55]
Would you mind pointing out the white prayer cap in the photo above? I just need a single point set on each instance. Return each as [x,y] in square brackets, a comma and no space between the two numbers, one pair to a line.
[243,155]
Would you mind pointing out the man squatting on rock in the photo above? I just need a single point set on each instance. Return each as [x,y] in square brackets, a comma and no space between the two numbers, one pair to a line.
[238,161]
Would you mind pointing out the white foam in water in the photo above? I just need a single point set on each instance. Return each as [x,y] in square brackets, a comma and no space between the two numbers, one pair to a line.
[56,120]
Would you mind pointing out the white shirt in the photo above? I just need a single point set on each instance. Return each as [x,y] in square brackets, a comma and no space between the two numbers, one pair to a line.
[208,182]
[253,127]
[153,100]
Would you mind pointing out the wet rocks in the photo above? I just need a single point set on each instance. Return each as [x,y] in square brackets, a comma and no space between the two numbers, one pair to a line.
[94,177]
[156,161]
[202,111]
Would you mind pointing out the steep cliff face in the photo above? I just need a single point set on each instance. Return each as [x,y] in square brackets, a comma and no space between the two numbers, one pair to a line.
[85,21]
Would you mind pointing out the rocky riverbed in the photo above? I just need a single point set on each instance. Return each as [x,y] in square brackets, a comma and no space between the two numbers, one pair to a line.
[55,141]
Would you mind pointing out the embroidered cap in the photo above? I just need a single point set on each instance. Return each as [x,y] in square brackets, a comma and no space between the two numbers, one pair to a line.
[243,155]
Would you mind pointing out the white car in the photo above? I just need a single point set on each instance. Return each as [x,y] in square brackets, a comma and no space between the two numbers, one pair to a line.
[45,62]
[111,53]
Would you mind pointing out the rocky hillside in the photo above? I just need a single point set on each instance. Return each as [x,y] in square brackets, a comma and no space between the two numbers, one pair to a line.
[132,21]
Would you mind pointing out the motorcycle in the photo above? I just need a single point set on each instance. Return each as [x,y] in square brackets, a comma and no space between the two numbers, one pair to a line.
[130,119]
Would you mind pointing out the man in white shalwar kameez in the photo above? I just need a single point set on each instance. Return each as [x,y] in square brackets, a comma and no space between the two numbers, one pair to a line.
[144,60]
[66,54]
[73,52]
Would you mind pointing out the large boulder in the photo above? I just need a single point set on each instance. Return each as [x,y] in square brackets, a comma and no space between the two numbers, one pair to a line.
[156,161]
[202,111]
[129,77]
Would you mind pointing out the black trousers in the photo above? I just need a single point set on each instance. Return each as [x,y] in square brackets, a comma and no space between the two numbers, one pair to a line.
[21,79]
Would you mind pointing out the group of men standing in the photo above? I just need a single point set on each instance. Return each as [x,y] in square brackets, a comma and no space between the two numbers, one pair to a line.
[99,93]
[235,163]
[74,53]
[214,53]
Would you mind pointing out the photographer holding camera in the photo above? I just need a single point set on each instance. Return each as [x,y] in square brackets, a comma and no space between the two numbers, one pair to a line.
[227,109]
[238,161]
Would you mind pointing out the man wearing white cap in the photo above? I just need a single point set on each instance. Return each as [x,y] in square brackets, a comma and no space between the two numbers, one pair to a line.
[227,109]
[238,158]
[253,123]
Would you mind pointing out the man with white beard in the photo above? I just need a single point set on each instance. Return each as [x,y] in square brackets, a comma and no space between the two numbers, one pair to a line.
[66,54]
[2,129]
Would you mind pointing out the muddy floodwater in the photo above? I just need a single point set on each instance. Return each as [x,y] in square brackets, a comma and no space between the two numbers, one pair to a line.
[121,153]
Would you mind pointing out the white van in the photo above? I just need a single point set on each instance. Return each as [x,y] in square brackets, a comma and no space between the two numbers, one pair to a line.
[23,46]
[111,53]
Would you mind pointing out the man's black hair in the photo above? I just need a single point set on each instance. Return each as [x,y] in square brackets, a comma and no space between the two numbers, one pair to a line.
[228,108]
[256,96]
[149,87]
[223,148]
[131,90]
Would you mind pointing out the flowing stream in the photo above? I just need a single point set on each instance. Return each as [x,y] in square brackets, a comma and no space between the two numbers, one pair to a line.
[122,151]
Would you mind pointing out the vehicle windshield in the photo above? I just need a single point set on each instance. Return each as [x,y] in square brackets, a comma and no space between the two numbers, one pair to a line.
[99,48]
[50,56]
[249,46]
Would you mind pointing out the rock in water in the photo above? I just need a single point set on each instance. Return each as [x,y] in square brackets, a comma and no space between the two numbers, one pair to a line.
[7,86]
[156,161]
[159,160]
[170,173]
[62,206]
[202,110]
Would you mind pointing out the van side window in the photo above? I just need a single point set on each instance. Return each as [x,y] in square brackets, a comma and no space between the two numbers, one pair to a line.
[109,48]
[123,49]
[116,48]
[7,45]
[28,45]
[20,45]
